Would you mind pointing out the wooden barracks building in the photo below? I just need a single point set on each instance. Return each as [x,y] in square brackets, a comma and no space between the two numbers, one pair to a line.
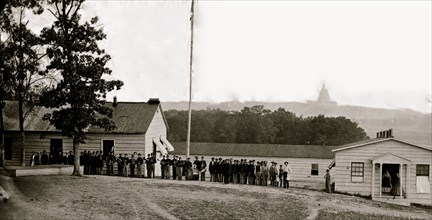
[360,166]
[141,128]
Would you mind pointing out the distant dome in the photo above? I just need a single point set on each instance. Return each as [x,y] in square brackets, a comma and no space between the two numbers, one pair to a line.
[324,97]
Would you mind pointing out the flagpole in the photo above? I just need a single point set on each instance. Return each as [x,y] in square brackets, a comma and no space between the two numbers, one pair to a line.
[190,79]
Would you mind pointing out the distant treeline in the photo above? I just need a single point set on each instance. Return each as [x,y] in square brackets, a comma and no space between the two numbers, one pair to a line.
[258,125]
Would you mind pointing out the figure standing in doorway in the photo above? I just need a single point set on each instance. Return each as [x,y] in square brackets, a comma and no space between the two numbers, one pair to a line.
[386,182]
[395,191]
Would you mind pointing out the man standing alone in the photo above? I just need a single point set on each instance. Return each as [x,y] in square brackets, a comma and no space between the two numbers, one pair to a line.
[286,174]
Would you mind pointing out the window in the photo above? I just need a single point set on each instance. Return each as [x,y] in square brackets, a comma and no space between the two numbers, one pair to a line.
[8,148]
[314,170]
[422,178]
[422,170]
[357,172]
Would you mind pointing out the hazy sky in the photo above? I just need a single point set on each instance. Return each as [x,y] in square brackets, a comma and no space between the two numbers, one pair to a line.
[368,53]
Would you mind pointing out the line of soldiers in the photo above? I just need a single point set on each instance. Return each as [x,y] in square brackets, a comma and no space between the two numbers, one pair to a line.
[93,162]
[128,167]
[42,158]
[227,171]
[176,168]
[251,173]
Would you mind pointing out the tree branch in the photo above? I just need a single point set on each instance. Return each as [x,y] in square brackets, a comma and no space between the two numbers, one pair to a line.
[67,14]
[53,14]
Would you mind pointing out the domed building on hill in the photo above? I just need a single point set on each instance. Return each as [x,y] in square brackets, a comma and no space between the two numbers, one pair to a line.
[323,98]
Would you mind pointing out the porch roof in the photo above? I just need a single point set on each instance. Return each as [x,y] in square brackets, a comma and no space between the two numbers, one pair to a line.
[390,158]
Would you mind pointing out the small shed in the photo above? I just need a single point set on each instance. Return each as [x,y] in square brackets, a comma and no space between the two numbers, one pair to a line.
[141,128]
[360,166]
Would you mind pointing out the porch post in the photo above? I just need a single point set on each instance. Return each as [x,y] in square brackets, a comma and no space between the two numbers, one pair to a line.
[373,179]
[407,180]
[380,183]
[400,179]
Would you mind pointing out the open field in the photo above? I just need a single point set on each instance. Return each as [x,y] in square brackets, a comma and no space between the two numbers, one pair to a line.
[103,197]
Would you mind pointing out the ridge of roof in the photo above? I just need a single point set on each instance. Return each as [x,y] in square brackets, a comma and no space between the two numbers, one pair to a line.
[129,117]
[255,150]
[374,141]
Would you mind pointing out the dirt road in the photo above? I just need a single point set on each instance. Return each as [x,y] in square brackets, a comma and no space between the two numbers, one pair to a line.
[103,197]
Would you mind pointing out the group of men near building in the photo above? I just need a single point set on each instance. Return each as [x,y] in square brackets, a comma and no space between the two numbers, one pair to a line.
[132,166]
[249,172]
[221,170]
[176,168]
[42,158]
[93,162]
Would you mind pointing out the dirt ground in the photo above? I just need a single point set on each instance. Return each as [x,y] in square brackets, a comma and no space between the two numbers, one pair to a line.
[103,197]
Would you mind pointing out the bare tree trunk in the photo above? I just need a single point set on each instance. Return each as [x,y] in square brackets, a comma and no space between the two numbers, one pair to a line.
[21,127]
[77,171]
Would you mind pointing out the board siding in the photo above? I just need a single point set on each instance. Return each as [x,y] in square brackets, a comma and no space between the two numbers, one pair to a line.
[365,153]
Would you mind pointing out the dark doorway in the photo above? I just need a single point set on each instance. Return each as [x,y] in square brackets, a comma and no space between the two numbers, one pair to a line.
[8,148]
[392,169]
[107,147]
[56,151]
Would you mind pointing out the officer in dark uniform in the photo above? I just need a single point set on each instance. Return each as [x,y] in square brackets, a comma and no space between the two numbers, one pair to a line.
[251,174]
[148,166]
[174,167]
[220,170]
[212,170]
[168,164]
[235,171]
[44,158]
[163,167]
[188,168]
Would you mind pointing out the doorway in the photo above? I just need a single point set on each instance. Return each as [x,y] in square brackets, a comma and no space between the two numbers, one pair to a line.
[107,147]
[389,176]
[56,151]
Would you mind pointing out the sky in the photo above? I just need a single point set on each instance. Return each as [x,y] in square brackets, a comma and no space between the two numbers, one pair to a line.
[368,53]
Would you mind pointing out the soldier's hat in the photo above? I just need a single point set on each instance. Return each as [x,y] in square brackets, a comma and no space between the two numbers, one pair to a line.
[212,158]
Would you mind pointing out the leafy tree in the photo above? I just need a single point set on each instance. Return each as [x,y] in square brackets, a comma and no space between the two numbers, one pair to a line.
[224,130]
[254,126]
[177,121]
[258,125]
[20,52]
[78,98]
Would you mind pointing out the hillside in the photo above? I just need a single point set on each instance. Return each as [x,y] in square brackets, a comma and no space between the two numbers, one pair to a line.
[407,124]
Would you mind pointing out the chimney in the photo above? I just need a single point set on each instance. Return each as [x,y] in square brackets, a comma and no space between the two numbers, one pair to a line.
[114,101]
[391,133]
[377,135]
[153,101]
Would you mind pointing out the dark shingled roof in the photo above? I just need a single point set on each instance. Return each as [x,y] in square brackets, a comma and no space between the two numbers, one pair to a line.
[129,117]
[256,150]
